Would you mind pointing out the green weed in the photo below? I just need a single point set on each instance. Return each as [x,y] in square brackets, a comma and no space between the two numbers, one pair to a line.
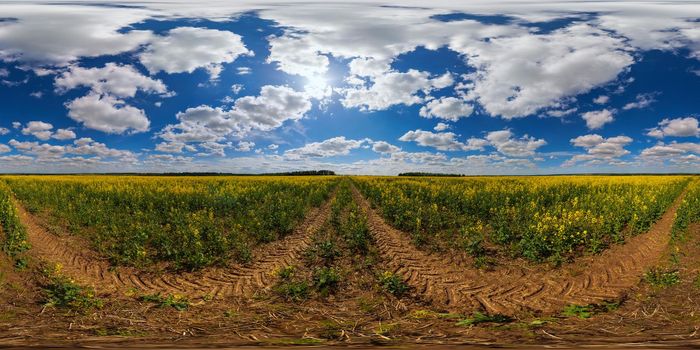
[177,302]
[662,278]
[393,284]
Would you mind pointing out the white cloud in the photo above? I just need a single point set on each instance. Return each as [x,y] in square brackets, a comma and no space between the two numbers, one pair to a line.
[443,141]
[596,119]
[517,76]
[273,147]
[170,147]
[295,54]
[274,106]
[599,150]
[107,114]
[38,129]
[114,79]
[442,127]
[679,127]
[686,154]
[44,150]
[185,49]
[448,108]
[561,113]
[384,147]
[641,101]
[368,67]
[88,146]
[236,88]
[58,34]
[336,146]
[4,148]
[4,131]
[102,109]
[245,146]
[244,70]
[392,88]
[504,143]
[16,125]
[64,134]
[601,100]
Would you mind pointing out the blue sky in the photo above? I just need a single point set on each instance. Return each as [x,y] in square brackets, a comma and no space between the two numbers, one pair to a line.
[369,88]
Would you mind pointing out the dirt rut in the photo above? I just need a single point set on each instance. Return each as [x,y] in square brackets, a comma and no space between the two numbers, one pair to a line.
[512,289]
[235,280]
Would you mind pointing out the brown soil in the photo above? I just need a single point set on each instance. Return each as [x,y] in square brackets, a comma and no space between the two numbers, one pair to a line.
[235,280]
[513,289]
[359,312]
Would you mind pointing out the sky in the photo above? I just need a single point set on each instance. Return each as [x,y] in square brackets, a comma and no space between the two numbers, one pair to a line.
[363,87]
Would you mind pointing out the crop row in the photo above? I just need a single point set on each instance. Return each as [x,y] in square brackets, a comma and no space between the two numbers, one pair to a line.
[187,222]
[688,211]
[553,218]
[12,233]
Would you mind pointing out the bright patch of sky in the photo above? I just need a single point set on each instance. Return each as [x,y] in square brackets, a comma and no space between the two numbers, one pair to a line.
[476,87]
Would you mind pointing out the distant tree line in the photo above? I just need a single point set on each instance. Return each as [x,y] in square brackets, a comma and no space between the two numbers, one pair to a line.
[304,173]
[430,174]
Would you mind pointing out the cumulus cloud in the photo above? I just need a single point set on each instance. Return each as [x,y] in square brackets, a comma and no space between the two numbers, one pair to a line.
[44,131]
[599,150]
[245,146]
[87,146]
[393,88]
[64,134]
[443,141]
[114,79]
[185,49]
[384,147]
[295,54]
[41,150]
[441,127]
[517,76]
[368,67]
[336,146]
[683,154]
[448,108]
[107,114]
[601,100]
[596,119]
[505,143]
[38,129]
[103,108]
[61,33]
[679,127]
[274,106]
[4,148]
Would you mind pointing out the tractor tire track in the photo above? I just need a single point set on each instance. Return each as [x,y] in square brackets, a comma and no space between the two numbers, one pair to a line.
[86,267]
[512,289]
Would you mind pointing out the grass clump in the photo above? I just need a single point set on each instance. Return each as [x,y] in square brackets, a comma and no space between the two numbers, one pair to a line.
[326,280]
[588,311]
[175,301]
[393,283]
[662,278]
[62,292]
[289,286]
[325,251]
